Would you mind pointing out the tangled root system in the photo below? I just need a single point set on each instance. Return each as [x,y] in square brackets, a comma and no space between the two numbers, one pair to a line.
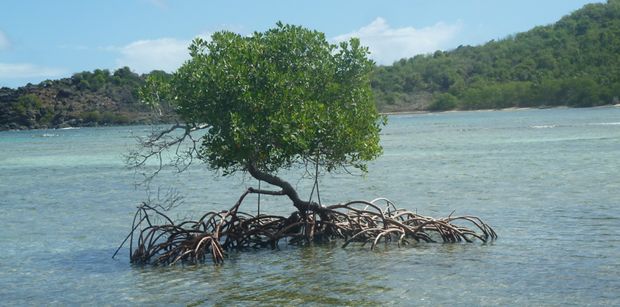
[361,222]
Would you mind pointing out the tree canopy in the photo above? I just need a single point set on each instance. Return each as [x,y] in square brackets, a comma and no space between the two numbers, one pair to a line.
[277,98]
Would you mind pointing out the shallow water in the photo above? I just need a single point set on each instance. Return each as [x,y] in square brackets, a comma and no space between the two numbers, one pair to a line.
[546,180]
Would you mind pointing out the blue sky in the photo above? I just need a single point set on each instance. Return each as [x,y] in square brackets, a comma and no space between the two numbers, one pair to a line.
[52,39]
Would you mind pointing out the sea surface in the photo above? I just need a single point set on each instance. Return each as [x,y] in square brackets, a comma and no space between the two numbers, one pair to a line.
[548,181]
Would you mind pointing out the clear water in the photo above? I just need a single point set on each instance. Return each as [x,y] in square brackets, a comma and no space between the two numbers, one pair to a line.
[547,180]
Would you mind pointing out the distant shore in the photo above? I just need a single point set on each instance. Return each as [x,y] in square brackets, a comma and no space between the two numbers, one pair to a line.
[382,113]
[502,110]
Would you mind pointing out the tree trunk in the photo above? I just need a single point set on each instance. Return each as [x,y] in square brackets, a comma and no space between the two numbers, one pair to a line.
[287,189]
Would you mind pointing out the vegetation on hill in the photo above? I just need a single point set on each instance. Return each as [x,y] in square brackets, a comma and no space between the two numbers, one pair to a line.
[86,99]
[574,62]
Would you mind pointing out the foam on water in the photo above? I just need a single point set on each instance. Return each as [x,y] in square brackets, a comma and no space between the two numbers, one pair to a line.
[543,126]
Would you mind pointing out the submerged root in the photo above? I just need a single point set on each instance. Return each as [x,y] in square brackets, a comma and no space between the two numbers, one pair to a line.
[364,222]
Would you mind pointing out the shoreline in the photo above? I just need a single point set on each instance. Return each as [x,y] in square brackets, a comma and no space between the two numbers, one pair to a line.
[381,113]
[499,110]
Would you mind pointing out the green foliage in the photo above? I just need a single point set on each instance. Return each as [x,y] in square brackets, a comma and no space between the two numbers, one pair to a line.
[27,102]
[155,89]
[276,98]
[574,62]
[443,102]
[91,117]
[108,117]
[101,79]
[92,81]
[29,107]
[95,117]
[496,95]
[124,76]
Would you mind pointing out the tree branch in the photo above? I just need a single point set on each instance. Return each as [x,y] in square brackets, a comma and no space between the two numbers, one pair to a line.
[287,188]
[159,142]
[267,192]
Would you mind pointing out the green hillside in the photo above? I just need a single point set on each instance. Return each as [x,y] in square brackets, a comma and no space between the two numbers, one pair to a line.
[86,99]
[574,62]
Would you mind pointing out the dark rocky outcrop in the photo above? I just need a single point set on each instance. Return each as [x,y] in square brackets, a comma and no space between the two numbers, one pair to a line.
[85,99]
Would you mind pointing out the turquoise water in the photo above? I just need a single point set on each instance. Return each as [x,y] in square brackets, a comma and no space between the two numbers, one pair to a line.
[547,180]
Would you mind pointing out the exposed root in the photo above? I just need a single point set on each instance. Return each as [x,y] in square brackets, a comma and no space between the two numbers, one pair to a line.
[356,221]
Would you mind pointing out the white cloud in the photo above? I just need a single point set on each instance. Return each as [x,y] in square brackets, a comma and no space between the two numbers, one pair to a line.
[146,55]
[4,41]
[27,70]
[388,44]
